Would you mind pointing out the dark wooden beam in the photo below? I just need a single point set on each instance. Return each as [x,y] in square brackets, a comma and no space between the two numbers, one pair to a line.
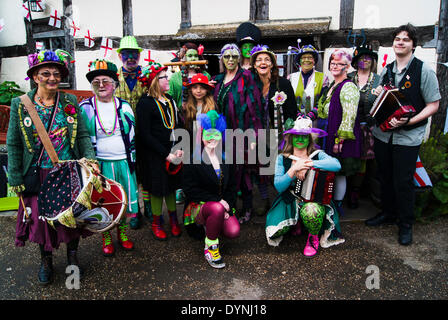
[259,10]
[128,26]
[439,119]
[185,14]
[347,9]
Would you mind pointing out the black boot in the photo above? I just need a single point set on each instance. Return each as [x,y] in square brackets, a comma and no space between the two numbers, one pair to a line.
[45,274]
[72,260]
[379,219]
[405,234]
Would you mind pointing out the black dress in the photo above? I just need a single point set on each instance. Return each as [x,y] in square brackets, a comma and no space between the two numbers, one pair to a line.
[154,145]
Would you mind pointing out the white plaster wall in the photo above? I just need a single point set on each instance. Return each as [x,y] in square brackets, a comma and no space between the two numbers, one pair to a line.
[156,17]
[104,18]
[393,13]
[216,12]
[14,30]
[294,9]
[14,69]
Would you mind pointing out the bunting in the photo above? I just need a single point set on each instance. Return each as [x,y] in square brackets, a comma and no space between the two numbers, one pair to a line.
[106,47]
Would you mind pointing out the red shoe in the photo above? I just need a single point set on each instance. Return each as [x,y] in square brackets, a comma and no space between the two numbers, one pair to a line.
[123,237]
[157,229]
[108,247]
[175,229]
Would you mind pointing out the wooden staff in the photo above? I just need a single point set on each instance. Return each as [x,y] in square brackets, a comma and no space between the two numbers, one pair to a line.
[186,63]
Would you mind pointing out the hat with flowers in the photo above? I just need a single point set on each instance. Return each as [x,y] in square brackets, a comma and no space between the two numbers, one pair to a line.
[149,72]
[59,58]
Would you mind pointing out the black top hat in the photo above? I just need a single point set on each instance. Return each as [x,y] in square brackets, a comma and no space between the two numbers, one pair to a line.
[247,32]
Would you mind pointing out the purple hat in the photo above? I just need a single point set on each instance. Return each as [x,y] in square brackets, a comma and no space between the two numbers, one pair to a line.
[303,126]
[58,58]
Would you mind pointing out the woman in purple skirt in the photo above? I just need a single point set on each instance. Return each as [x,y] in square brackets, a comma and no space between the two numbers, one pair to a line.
[70,139]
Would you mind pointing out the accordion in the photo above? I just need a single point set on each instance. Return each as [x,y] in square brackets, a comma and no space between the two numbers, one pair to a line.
[317,186]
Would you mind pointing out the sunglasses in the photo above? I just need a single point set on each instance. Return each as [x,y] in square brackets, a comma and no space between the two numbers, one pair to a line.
[47,74]
[105,83]
[228,56]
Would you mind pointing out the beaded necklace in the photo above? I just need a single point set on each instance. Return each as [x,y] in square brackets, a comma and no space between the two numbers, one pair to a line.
[162,113]
[108,134]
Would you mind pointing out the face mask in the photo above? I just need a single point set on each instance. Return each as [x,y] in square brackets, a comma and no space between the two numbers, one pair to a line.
[300,141]
[211,134]
[230,59]
[306,62]
[191,55]
[246,48]
[364,62]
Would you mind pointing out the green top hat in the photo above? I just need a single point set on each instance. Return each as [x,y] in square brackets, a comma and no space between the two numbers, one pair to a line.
[129,42]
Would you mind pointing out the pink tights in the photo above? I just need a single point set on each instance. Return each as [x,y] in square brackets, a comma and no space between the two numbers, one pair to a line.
[212,217]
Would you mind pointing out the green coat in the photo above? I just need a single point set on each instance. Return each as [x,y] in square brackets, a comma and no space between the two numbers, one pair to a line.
[20,137]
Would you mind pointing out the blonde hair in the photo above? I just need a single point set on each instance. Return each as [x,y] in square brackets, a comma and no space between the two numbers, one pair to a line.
[190,107]
[154,89]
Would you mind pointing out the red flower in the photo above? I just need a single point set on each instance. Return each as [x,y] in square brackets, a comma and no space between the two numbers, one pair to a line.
[70,110]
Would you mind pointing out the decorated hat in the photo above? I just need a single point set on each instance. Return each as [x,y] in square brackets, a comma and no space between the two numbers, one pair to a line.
[149,72]
[100,67]
[302,126]
[248,32]
[199,78]
[262,49]
[58,58]
[130,43]
[212,120]
[360,51]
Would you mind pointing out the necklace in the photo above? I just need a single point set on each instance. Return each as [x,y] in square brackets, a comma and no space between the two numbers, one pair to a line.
[108,134]
[41,101]
[162,113]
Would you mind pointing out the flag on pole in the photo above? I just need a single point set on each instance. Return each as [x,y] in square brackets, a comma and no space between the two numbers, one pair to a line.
[88,40]
[106,47]
[55,20]
[421,177]
[26,11]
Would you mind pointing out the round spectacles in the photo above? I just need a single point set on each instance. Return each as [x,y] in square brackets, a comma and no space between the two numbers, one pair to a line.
[339,65]
[105,83]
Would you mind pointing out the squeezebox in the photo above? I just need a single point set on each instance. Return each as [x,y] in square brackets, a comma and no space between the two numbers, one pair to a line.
[317,187]
[387,102]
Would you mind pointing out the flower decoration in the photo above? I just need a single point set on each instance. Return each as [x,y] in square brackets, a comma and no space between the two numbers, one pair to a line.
[70,110]
[33,59]
[279,98]
[149,72]
[259,48]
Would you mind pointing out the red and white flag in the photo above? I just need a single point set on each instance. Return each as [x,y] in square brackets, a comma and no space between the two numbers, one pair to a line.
[39,45]
[26,11]
[73,29]
[88,40]
[106,47]
[55,20]
[40,4]
[2,24]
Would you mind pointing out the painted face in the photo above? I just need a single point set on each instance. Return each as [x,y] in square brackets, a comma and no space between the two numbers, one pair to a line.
[365,62]
[211,134]
[48,78]
[130,59]
[402,44]
[307,62]
[300,141]
[231,58]
[338,66]
[198,91]
[163,81]
[104,87]
[263,64]
[246,48]
[191,55]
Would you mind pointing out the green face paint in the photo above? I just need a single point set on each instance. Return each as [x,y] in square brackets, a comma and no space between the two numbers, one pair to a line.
[191,55]
[211,134]
[246,48]
[300,141]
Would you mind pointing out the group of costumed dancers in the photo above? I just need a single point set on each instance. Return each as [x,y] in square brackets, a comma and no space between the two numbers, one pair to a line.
[126,132]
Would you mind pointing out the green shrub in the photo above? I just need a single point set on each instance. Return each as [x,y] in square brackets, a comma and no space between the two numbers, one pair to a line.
[433,202]
[8,91]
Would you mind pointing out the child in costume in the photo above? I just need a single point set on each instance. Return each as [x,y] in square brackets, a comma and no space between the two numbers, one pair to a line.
[110,122]
[290,212]
[210,191]
[157,118]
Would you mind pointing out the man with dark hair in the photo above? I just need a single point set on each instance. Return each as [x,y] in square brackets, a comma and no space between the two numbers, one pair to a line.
[396,150]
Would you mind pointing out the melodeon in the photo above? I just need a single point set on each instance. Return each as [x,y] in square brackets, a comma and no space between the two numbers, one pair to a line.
[387,102]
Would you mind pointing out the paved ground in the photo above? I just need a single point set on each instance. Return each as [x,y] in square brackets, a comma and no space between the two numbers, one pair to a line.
[175,269]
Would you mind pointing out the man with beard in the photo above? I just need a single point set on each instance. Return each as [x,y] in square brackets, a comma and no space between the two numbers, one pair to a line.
[130,89]
[396,150]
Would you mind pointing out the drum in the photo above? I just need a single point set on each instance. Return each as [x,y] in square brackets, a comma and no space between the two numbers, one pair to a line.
[74,196]
[317,187]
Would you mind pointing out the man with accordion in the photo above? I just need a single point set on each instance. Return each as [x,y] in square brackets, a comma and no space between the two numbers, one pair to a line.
[399,131]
